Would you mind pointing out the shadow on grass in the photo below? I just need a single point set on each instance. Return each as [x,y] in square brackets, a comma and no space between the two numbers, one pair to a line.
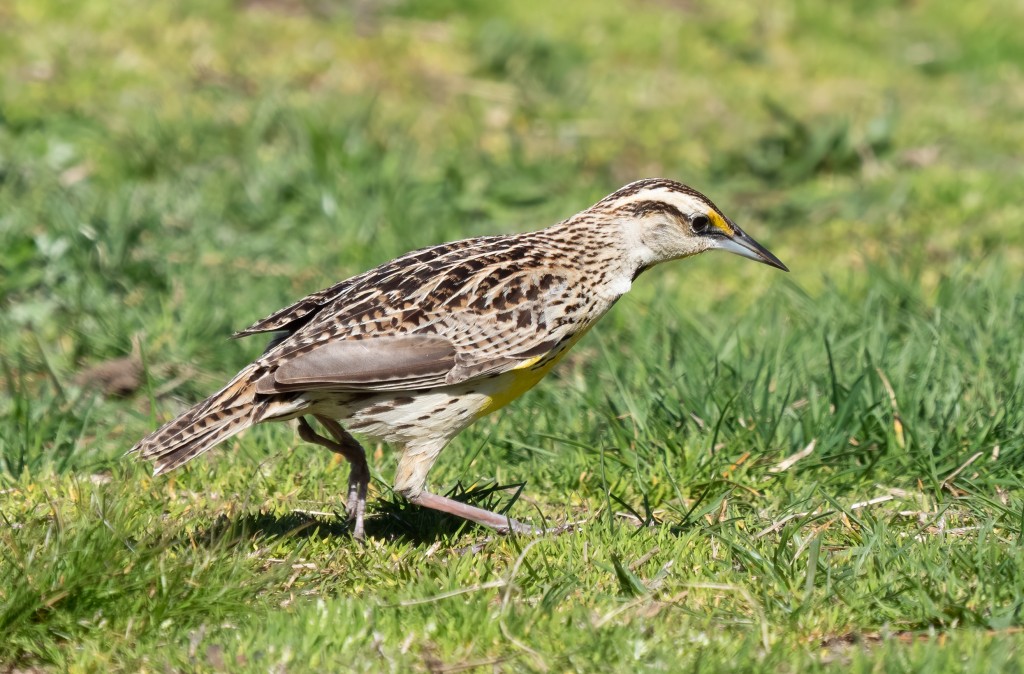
[389,518]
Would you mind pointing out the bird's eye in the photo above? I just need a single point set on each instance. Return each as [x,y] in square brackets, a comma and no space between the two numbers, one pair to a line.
[700,224]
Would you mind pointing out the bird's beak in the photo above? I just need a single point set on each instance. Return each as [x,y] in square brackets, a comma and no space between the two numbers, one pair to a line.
[741,244]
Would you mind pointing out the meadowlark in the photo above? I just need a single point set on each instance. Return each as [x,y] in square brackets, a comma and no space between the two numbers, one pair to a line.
[414,351]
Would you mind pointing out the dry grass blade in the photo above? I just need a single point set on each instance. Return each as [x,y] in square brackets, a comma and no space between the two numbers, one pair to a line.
[791,460]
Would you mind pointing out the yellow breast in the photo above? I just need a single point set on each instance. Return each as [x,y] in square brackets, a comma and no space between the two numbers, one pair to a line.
[521,379]
[515,383]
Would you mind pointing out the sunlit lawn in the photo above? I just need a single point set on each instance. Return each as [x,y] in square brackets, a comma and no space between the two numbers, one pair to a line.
[818,470]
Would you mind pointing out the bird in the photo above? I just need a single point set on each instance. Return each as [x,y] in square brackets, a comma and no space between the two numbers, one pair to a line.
[412,352]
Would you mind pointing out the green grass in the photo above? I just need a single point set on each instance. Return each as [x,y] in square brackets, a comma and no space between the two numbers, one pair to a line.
[171,172]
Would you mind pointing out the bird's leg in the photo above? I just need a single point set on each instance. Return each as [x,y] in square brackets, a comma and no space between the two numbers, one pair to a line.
[499,523]
[359,475]
[359,472]
[413,465]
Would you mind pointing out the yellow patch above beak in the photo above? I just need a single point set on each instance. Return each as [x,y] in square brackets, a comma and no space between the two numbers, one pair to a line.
[720,222]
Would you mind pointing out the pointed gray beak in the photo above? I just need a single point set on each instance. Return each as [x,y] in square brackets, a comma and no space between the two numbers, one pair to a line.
[741,244]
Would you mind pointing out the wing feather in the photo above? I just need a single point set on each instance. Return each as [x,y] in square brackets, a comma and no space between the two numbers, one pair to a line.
[436,317]
[378,363]
[294,316]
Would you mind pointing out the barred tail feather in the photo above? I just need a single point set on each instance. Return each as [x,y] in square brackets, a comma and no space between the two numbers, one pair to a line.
[224,414]
[168,457]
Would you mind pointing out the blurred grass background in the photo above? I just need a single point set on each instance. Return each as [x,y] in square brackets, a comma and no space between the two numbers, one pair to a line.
[170,172]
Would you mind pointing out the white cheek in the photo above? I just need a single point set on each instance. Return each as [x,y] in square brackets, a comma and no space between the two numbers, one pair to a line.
[665,241]
[622,286]
[616,288]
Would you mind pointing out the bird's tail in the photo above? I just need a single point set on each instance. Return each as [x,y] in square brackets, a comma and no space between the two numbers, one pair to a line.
[224,414]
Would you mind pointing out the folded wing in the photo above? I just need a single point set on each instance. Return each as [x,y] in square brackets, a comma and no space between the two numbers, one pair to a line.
[372,364]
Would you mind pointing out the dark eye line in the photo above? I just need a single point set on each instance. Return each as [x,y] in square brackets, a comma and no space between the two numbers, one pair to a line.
[642,209]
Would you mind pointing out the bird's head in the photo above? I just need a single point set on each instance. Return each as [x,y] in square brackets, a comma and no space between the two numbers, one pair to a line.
[666,220]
